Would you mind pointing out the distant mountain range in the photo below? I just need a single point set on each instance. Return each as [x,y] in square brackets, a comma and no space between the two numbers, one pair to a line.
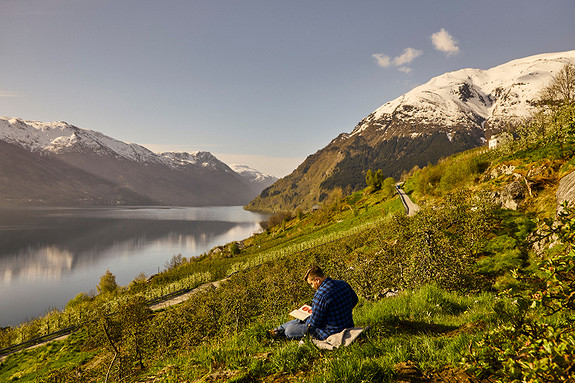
[451,113]
[55,163]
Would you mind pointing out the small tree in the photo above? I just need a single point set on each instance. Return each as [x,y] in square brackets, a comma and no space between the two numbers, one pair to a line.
[441,244]
[374,180]
[176,261]
[561,91]
[334,199]
[388,187]
[107,283]
[133,317]
[277,219]
[139,283]
[554,121]
[234,248]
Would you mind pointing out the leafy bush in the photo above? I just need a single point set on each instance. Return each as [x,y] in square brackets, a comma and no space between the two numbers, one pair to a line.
[440,244]
[79,299]
[139,284]
[535,341]
[278,219]
[508,249]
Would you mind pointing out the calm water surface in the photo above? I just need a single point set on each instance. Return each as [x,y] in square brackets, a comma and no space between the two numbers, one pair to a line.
[47,255]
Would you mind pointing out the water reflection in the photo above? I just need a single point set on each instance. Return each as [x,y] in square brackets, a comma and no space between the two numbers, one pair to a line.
[47,262]
[74,243]
[44,252]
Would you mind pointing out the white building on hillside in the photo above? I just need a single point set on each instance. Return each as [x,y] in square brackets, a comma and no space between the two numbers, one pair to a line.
[499,139]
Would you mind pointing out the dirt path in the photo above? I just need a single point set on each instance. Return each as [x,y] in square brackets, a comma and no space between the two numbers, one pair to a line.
[410,207]
[183,297]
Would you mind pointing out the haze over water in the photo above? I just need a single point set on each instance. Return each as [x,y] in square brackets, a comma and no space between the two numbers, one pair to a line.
[48,255]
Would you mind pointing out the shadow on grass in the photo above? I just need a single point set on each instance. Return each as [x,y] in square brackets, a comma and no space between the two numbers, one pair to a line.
[419,328]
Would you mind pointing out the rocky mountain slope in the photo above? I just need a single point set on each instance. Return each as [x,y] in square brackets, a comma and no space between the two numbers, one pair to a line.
[57,163]
[450,113]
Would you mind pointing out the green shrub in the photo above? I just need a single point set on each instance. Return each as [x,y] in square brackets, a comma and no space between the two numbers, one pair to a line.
[440,244]
[79,299]
[535,341]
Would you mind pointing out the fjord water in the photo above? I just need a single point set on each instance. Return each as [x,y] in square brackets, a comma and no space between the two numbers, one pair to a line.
[48,255]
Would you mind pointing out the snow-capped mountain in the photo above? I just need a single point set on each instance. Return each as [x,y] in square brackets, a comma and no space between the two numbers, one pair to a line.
[258,180]
[58,163]
[450,113]
[61,137]
[464,100]
[203,159]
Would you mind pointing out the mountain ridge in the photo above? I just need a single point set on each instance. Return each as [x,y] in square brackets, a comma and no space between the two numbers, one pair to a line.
[85,167]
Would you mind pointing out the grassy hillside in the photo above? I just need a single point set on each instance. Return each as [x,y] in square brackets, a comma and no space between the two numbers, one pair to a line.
[483,291]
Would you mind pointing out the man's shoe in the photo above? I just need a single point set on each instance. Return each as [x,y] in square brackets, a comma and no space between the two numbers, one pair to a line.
[274,334]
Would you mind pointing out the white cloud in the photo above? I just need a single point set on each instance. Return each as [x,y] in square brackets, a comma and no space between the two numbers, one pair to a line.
[444,42]
[382,60]
[408,55]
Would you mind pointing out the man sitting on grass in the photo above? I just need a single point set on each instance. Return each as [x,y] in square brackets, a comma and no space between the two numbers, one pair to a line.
[332,307]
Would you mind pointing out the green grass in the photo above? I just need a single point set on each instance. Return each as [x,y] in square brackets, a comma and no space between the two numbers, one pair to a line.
[38,364]
[430,327]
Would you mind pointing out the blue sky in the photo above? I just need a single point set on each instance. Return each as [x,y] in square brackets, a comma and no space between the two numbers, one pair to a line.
[259,82]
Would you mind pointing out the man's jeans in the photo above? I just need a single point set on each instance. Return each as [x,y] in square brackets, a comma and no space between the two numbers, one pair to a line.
[294,329]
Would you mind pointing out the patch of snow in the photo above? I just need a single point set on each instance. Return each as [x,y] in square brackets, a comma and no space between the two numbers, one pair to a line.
[250,173]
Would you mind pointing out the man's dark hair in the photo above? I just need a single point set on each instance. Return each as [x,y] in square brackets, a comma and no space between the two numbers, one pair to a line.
[314,272]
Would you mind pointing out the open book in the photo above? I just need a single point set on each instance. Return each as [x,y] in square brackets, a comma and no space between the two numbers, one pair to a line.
[302,313]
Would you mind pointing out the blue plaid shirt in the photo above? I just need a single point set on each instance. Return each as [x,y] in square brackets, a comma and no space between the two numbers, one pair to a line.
[331,308]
